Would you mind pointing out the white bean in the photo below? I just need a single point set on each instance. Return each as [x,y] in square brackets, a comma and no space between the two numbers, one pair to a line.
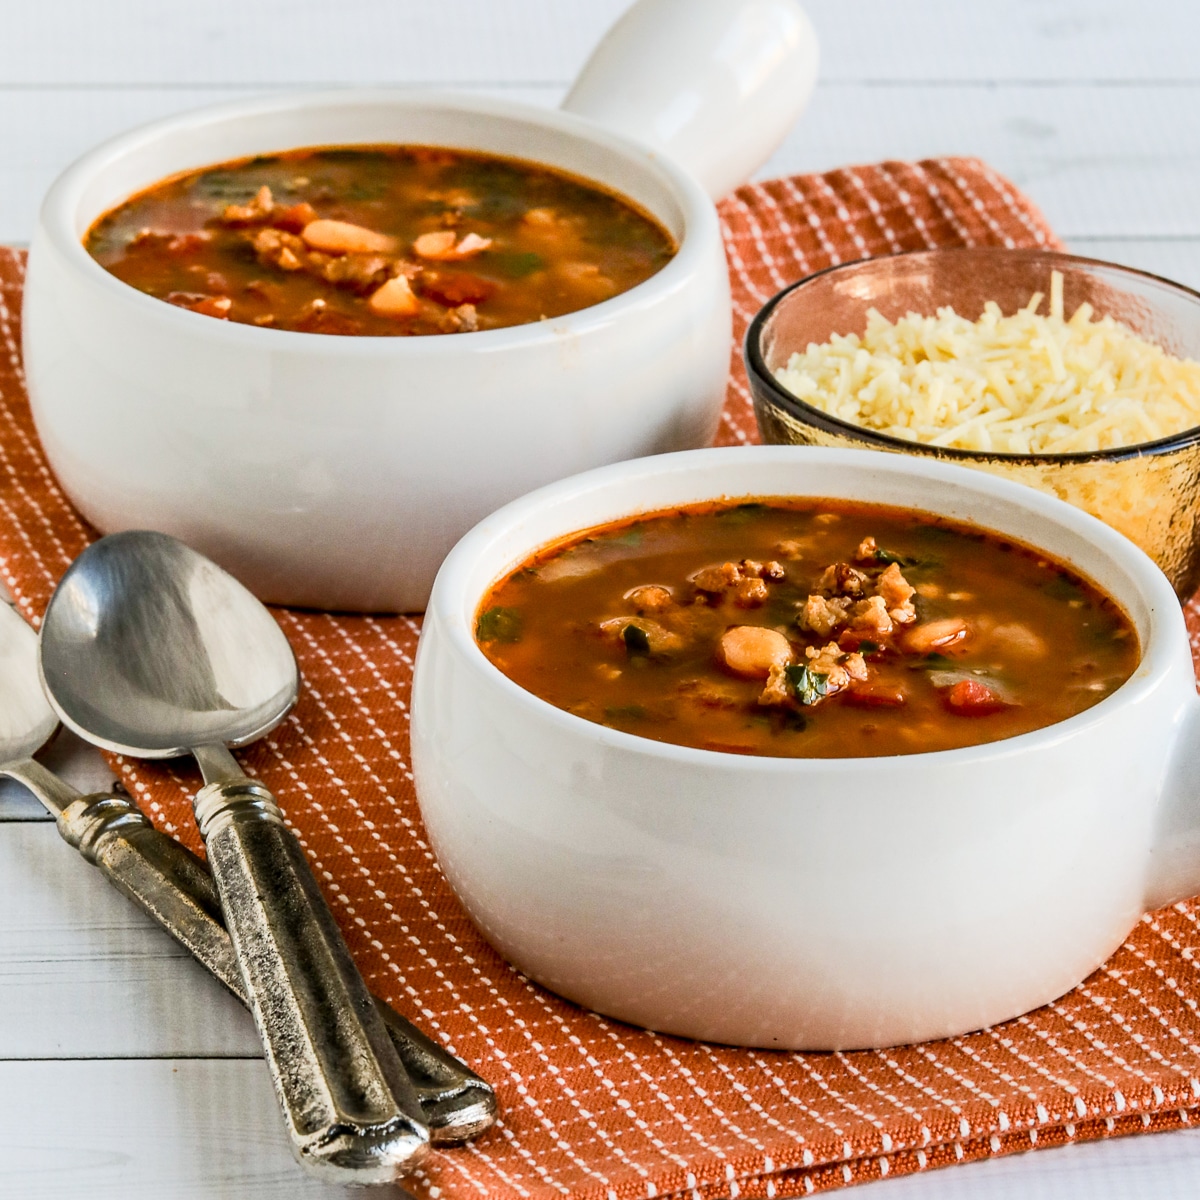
[343,237]
[752,650]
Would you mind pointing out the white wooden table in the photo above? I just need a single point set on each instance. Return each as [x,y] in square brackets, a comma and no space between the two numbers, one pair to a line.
[124,1071]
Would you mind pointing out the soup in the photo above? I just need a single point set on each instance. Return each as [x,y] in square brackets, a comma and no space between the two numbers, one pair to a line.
[379,240]
[806,629]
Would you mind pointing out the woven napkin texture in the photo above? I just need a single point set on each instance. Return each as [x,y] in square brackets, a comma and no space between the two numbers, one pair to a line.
[590,1107]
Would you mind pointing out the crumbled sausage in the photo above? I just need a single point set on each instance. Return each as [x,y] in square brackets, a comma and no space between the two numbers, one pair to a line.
[275,248]
[650,598]
[838,667]
[871,616]
[749,593]
[856,667]
[823,616]
[762,570]
[841,579]
[897,593]
[776,690]
[463,319]
[257,211]
[716,579]
[747,578]
[360,271]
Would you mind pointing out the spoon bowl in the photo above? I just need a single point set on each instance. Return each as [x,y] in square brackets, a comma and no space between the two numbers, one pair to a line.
[221,671]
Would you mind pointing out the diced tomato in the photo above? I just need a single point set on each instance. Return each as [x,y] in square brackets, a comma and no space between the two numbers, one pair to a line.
[876,695]
[970,698]
[294,219]
[324,321]
[453,290]
[851,640]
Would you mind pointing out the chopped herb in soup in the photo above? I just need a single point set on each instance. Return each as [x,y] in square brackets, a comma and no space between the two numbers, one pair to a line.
[806,629]
[379,240]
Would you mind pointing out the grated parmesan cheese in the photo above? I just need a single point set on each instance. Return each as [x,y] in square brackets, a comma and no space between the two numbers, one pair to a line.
[1024,384]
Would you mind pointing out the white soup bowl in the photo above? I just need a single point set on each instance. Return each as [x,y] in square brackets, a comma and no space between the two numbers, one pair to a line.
[805,903]
[335,472]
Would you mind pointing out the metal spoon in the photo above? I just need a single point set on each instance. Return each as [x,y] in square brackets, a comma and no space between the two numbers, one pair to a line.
[151,650]
[171,885]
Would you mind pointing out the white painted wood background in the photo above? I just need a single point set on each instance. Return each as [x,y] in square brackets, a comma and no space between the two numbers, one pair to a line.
[124,1072]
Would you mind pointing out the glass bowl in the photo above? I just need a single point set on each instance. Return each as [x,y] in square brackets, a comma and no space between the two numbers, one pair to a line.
[1150,492]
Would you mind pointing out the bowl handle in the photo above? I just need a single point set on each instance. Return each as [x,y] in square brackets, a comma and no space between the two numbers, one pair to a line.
[716,84]
[1175,862]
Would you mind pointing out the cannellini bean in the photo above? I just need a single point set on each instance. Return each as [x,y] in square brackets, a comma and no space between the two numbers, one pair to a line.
[394,299]
[435,245]
[343,237]
[440,245]
[752,650]
[935,635]
[1019,639]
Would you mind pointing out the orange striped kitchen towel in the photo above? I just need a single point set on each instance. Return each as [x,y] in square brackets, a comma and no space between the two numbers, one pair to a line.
[592,1108]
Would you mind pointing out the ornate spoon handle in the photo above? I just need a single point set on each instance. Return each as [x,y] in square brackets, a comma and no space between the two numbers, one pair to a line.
[171,884]
[350,1110]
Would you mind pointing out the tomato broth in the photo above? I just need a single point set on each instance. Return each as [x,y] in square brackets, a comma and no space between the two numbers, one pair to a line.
[806,629]
[379,240]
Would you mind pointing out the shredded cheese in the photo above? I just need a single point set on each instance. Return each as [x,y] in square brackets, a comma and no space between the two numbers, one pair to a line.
[1022,384]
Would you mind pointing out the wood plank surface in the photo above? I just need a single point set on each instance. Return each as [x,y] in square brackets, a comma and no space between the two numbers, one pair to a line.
[83,974]
[135,43]
[167,1129]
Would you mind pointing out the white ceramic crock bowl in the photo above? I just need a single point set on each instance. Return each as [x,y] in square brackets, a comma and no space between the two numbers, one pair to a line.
[809,904]
[336,472]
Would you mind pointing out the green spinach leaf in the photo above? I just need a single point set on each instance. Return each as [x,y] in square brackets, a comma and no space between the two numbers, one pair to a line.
[807,686]
[500,625]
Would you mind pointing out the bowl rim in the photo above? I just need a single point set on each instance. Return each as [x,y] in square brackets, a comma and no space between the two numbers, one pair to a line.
[56,221]
[451,595]
[762,381]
